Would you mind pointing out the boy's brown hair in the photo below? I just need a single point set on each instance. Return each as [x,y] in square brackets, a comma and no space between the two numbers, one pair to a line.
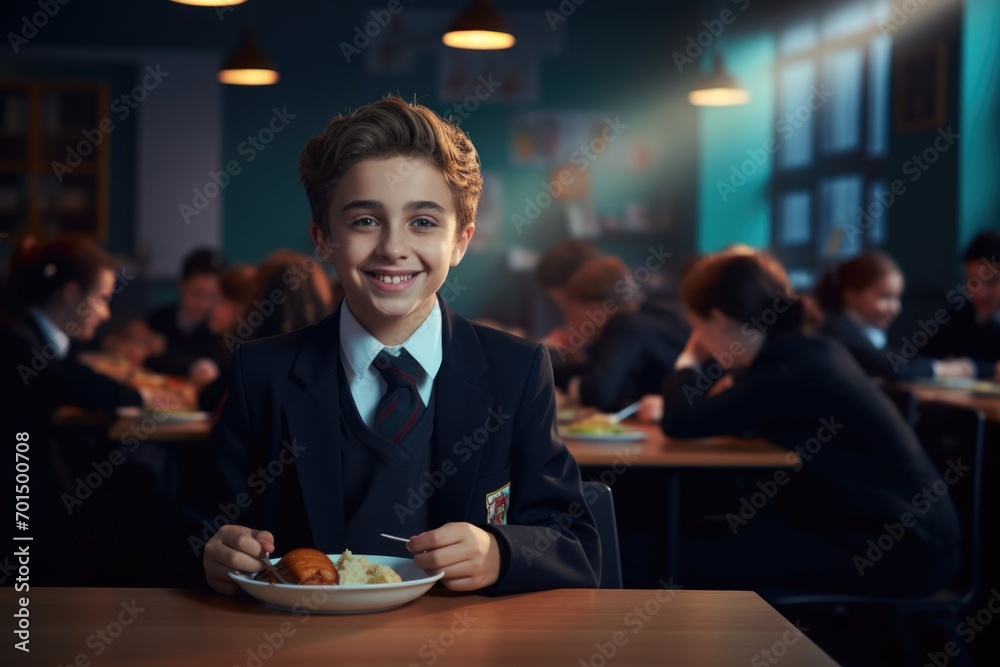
[388,128]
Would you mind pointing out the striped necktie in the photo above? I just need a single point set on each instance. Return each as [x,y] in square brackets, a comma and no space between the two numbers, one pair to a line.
[400,406]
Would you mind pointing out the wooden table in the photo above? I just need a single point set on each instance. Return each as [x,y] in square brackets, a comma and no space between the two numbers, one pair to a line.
[674,456]
[656,450]
[990,405]
[563,627]
[154,428]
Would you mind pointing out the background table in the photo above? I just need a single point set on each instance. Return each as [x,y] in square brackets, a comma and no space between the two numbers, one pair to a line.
[656,450]
[672,456]
[562,627]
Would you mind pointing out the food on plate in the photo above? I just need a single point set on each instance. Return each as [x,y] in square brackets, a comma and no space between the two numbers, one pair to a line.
[308,567]
[598,424]
[359,570]
[311,567]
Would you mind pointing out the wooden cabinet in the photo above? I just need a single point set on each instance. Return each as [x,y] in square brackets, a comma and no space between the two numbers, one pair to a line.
[54,158]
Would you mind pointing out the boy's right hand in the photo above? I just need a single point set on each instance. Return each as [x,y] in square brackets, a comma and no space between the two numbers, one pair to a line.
[234,548]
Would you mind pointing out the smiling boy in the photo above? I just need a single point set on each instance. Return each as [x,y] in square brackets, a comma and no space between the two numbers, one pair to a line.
[405,418]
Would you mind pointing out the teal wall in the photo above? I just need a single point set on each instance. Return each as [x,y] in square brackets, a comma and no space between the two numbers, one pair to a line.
[726,134]
[979,166]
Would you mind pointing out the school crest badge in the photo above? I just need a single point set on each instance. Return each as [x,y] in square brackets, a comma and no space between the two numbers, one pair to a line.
[497,503]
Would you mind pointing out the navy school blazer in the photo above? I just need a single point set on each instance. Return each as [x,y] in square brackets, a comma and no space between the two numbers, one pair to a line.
[283,411]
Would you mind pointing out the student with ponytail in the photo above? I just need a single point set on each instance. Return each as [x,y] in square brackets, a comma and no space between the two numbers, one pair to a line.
[861,299]
[61,291]
[860,466]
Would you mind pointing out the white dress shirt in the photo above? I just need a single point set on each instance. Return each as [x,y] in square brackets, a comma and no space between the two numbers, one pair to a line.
[358,350]
[52,334]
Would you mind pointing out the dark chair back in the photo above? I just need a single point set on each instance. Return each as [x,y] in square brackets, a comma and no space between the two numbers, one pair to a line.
[953,437]
[602,506]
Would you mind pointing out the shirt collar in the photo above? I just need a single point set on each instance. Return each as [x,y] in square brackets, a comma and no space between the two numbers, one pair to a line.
[360,347]
[52,334]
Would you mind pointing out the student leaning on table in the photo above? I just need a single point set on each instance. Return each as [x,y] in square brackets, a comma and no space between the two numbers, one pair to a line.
[395,414]
[864,477]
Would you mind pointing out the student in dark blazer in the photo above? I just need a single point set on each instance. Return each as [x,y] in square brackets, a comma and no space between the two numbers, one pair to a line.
[973,329]
[862,477]
[623,346]
[861,299]
[395,414]
[64,287]
[184,324]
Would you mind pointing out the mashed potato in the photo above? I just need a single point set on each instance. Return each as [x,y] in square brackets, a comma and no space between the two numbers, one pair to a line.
[359,570]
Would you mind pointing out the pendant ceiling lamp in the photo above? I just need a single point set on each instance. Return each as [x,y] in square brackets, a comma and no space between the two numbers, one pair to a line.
[248,65]
[719,88]
[479,27]
[209,3]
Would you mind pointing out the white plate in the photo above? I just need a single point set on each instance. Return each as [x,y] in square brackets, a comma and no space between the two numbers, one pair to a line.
[163,416]
[352,599]
[627,436]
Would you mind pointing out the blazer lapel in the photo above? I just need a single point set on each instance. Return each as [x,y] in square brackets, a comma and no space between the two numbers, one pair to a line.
[462,409]
[313,419]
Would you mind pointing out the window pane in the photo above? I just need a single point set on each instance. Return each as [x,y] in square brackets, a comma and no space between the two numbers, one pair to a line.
[875,220]
[794,229]
[878,95]
[840,202]
[842,111]
[795,118]
[846,20]
[797,38]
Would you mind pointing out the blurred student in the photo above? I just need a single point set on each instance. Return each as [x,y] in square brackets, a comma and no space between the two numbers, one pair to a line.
[554,271]
[185,324]
[619,346]
[862,475]
[64,287]
[236,290]
[291,291]
[861,299]
[974,332]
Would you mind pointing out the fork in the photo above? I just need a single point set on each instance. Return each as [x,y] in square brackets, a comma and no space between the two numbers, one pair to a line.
[272,569]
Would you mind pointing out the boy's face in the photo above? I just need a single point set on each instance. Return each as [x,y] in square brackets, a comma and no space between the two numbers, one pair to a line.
[392,237]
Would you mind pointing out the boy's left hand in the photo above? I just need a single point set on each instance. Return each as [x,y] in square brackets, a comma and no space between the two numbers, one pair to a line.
[469,556]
